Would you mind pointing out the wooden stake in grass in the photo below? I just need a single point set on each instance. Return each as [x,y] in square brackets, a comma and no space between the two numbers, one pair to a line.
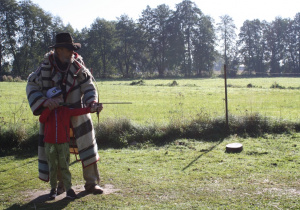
[226,100]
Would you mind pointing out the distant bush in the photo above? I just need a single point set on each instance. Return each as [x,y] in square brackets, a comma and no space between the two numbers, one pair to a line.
[4,78]
[140,82]
[11,79]
[174,83]
[18,79]
[276,85]
[294,88]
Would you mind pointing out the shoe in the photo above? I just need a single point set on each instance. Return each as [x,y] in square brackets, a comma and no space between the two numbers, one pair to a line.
[60,190]
[52,194]
[95,190]
[71,194]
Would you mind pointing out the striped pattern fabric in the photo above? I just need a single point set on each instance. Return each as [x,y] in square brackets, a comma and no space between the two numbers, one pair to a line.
[72,144]
[80,90]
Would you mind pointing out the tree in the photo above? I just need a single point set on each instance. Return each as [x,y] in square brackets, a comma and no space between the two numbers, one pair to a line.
[252,44]
[35,36]
[276,39]
[126,50]
[226,29]
[188,20]
[100,44]
[295,54]
[9,17]
[176,52]
[154,23]
[291,60]
[204,51]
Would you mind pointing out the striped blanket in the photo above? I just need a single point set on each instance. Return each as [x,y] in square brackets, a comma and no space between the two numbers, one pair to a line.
[80,90]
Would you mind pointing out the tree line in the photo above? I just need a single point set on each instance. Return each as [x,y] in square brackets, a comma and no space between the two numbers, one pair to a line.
[162,42]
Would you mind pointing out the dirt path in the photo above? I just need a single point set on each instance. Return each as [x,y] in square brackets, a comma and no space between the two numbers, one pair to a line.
[38,196]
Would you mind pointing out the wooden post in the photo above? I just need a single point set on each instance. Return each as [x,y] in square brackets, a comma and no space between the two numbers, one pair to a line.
[226,100]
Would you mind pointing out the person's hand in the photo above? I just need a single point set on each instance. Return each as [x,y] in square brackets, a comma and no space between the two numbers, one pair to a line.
[96,107]
[53,103]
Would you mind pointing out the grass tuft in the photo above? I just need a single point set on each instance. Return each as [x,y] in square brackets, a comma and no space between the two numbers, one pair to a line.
[174,83]
[122,132]
[18,137]
[139,82]
[119,133]
[276,85]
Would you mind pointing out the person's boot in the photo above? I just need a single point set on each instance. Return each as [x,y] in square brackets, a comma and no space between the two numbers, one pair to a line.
[60,190]
[71,194]
[52,194]
[95,190]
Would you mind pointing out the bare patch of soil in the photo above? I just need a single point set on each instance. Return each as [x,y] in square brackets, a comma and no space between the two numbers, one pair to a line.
[293,192]
[38,196]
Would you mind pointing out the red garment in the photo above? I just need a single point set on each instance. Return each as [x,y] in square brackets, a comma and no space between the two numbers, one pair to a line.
[57,123]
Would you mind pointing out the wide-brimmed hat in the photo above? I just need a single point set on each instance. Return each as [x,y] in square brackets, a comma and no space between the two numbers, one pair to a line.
[53,92]
[65,40]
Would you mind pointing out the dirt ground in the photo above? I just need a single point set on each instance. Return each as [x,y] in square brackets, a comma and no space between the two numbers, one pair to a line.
[39,196]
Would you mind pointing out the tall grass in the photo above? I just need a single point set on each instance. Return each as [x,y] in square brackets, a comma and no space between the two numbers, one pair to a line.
[123,132]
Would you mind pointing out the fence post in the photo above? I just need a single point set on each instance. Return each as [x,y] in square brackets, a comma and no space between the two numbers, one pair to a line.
[226,100]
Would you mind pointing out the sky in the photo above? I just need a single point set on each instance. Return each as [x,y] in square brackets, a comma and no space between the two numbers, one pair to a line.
[82,14]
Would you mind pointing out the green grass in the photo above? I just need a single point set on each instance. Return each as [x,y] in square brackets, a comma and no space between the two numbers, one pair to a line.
[185,174]
[157,101]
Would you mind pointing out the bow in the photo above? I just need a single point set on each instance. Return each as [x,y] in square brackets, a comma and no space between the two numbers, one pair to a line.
[98,102]
[97,94]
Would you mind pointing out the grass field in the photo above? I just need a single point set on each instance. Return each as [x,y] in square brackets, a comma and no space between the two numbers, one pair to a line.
[184,173]
[158,102]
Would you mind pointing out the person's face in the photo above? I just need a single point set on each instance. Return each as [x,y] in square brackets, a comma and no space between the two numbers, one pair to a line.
[59,98]
[64,54]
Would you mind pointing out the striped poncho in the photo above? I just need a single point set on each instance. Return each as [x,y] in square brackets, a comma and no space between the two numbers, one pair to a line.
[80,90]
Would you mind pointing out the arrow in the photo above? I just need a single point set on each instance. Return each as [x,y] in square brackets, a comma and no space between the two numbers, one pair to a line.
[69,104]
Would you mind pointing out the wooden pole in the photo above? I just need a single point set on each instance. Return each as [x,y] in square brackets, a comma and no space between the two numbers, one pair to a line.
[226,100]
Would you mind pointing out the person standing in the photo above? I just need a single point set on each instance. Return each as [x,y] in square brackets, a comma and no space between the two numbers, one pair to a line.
[63,67]
[57,137]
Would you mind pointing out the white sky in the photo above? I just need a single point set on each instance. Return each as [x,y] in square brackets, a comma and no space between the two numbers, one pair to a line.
[82,14]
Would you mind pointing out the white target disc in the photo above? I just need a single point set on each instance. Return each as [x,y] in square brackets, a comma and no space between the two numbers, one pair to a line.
[234,147]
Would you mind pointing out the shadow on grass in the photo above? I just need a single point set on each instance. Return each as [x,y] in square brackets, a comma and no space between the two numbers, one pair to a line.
[43,202]
[204,152]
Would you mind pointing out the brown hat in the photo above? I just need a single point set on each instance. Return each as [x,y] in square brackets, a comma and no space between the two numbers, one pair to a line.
[65,40]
